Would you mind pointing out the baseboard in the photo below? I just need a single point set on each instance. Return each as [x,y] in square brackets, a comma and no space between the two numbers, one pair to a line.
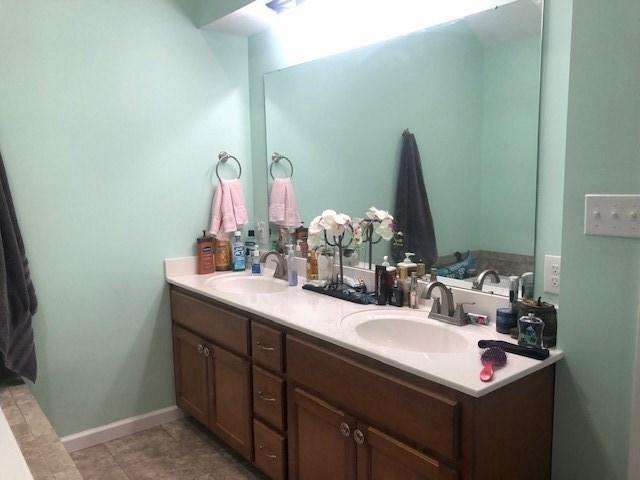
[121,428]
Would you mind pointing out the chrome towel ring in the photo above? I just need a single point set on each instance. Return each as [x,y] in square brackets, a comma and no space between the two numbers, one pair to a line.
[222,158]
[275,158]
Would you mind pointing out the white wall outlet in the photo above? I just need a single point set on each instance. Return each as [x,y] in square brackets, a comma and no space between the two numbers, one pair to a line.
[552,269]
[612,215]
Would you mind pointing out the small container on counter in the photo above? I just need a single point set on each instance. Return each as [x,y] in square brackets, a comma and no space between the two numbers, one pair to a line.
[530,331]
[206,254]
[547,313]
[223,254]
[506,319]
[256,266]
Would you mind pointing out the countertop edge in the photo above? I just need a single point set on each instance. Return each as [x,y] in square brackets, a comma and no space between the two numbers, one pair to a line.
[491,387]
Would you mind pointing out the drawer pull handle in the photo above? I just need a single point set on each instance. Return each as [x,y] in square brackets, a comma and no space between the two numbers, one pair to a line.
[265,398]
[345,430]
[268,455]
[264,347]
[200,349]
[358,436]
[206,351]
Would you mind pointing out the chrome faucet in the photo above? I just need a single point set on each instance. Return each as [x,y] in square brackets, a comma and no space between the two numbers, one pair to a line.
[281,264]
[446,310]
[477,284]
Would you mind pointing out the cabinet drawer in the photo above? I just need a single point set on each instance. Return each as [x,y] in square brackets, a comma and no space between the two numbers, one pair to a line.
[426,418]
[268,397]
[266,347]
[213,323]
[270,451]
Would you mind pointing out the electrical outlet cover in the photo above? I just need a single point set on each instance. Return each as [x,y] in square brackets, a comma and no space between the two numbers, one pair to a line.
[552,270]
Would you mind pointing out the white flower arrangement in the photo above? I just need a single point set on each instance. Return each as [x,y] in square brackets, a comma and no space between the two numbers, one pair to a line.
[382,222]
[332,224]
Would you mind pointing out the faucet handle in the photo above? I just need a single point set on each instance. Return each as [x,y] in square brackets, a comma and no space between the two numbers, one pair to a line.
[460,313]
[435,306]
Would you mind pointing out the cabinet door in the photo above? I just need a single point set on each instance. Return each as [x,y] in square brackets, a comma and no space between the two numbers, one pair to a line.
[231,400]
[190,370]
[320,442]
[381,457]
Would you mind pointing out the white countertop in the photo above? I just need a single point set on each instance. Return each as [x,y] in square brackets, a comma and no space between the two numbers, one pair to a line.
[322,317]
[12,463]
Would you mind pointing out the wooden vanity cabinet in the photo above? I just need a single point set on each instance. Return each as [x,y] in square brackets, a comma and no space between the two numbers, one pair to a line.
[304,409]
[212,383]
[191,369]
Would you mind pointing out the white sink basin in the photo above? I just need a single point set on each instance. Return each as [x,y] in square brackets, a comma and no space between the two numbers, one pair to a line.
[405,331]
[243,283]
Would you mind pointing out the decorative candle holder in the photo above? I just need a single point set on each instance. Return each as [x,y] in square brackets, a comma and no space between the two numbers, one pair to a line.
[368,236]
[339,243]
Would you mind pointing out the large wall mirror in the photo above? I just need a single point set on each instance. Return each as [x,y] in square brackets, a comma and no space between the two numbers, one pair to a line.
[468,91]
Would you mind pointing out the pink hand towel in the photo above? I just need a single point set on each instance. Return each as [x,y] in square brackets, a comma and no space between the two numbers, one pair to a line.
[222,218]
[283,207]
[237,202]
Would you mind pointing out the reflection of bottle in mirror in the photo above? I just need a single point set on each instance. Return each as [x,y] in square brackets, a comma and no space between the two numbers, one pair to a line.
[325,264]
[312,265]
[413,291]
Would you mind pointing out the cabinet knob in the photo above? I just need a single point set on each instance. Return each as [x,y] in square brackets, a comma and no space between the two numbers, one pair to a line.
[200,349]
[206,351]
[345,430]
[264,347]
[358,436]
[268,455]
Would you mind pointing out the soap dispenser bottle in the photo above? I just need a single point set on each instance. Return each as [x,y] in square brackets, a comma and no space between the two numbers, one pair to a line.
[256,266]
[292,270]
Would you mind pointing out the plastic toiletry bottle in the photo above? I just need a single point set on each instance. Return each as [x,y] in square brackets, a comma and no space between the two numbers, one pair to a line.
[256,266]
[292,271]
[249,244]
[238,258]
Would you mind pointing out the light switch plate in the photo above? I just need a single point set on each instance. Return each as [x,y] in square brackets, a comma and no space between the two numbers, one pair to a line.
[612,215]
[552,269]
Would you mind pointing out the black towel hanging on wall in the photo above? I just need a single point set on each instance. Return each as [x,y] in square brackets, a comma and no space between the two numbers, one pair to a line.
[412,213]
[17,296]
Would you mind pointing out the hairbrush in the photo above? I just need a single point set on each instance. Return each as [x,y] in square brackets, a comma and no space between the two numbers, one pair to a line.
[491,358]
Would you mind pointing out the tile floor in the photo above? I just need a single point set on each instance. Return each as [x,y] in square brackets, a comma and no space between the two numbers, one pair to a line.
[179,450]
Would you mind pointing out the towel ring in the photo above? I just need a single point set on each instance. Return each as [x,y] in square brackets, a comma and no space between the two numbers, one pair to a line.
[222,158]
[275,158]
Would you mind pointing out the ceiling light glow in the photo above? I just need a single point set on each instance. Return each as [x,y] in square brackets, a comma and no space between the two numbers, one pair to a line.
[318,28]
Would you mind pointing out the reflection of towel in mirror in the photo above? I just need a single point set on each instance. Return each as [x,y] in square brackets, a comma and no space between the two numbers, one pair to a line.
[283,207]
[17,297]
[228,211]
[412,214]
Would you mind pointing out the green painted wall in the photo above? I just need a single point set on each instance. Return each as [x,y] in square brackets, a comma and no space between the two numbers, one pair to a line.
[111,116]
[509,146]
[600,275]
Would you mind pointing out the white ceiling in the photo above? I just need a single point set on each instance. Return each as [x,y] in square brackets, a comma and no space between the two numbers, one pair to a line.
[510,21]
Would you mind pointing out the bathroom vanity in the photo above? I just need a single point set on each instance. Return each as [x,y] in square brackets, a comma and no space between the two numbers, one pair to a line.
[283,380]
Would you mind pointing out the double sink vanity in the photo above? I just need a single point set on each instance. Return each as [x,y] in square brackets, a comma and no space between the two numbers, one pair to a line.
[310,387]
